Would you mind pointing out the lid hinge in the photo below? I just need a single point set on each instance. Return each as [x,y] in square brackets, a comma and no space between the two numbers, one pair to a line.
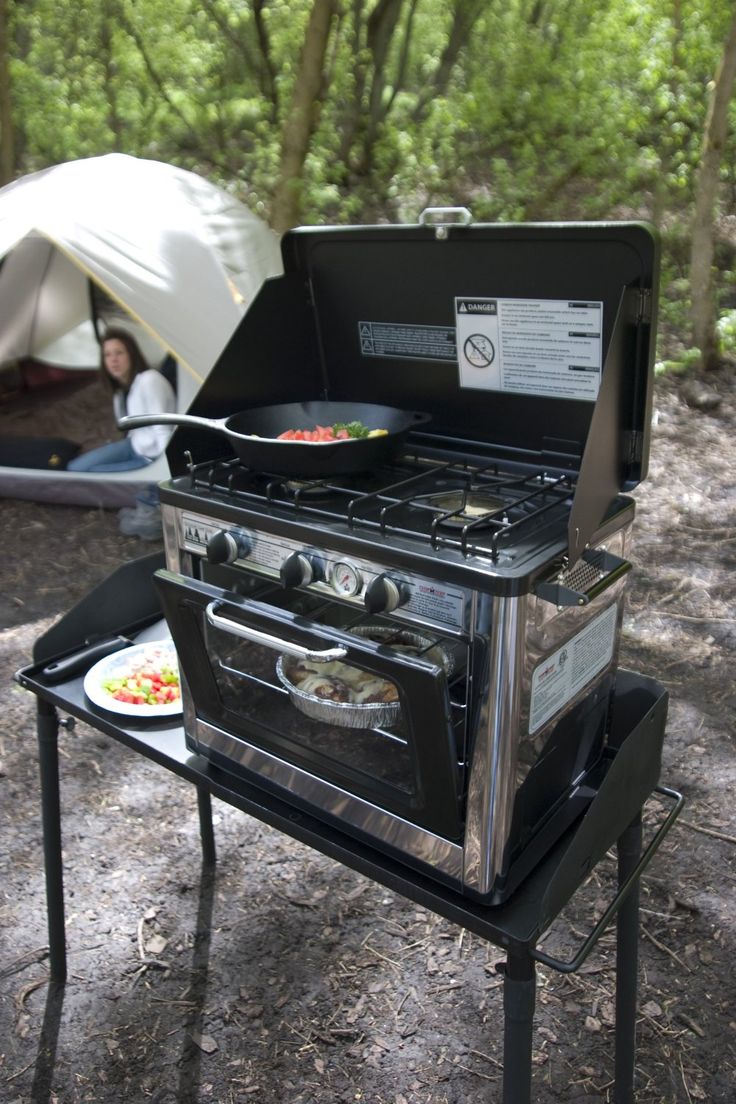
[645,305]
[633,445]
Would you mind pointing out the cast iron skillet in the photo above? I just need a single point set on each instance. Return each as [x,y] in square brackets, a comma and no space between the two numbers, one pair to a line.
[252,434]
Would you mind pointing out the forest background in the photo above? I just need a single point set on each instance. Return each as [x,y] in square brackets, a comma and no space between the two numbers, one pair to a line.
[355,111]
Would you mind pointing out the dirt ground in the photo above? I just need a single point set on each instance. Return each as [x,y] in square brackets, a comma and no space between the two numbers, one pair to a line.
[289,978]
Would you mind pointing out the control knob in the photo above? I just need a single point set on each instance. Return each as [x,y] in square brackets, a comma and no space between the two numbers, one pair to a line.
[227,546]
[298,569]
[384,594]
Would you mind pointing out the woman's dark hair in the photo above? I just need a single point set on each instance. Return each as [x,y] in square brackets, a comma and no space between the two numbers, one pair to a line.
[137,360]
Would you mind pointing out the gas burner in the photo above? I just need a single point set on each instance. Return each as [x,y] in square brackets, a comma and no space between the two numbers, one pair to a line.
[311,489]
[449,499]
[466,506]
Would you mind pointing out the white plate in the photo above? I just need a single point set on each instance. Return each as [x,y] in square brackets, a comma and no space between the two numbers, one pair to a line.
[116,665]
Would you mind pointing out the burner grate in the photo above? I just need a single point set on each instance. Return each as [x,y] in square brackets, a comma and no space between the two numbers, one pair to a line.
[476,508]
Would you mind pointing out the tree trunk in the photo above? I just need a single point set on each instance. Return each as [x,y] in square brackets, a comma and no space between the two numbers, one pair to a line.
[465,15]
[7,130]
[301,118]
[706,191]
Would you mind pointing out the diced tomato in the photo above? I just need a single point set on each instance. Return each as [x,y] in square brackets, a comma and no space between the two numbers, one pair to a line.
[338,432]
[319,433]
[146,687]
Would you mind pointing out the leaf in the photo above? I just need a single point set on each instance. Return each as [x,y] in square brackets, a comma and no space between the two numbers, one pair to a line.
[156,944]
[205,1042]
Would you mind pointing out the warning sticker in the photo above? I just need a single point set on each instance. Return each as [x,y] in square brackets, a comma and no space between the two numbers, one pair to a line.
[559,678]
[532,346]
[408,341]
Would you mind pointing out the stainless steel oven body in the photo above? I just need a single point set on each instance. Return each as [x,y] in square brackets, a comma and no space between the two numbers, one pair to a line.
[487,762]
[497,539]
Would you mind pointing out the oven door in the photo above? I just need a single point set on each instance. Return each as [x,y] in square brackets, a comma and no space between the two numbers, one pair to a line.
[229,647]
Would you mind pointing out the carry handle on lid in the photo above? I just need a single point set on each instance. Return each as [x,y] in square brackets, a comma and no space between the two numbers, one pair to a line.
[442,217]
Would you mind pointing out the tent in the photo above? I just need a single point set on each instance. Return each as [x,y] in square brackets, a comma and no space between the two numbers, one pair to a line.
[173,258]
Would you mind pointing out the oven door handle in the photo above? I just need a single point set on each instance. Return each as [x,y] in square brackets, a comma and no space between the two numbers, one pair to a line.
[256,636]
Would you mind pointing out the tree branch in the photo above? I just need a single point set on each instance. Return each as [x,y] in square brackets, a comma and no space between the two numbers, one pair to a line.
[259,63]
[264,43]
[465,16]
[153,73]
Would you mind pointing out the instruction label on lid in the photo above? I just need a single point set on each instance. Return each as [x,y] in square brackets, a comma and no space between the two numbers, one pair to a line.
[407,341]
[530,346]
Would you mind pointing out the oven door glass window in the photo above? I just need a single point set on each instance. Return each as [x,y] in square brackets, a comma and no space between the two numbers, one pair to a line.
[356,701]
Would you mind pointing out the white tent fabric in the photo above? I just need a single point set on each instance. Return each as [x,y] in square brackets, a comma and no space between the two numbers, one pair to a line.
[179,255]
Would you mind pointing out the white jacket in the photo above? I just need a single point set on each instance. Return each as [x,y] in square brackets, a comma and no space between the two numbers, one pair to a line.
[149,393]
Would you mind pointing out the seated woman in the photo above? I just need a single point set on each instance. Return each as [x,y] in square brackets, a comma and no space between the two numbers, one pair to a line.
[136,389]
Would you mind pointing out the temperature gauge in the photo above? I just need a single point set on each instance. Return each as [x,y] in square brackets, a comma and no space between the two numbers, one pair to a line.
[345,579]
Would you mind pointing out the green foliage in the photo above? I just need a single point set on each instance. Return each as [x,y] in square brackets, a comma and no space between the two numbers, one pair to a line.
[726,330]
[680,366]
[548,110]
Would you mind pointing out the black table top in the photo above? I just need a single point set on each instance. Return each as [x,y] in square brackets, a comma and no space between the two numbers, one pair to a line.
[516,924]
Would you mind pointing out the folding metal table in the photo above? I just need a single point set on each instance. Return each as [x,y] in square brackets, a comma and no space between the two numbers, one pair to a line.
[629,775]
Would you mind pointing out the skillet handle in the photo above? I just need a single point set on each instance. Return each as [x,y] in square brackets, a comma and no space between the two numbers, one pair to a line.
[136,421]
[256,636]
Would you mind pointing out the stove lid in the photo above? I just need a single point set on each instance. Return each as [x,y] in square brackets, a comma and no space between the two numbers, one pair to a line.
[537,339]
[502,332]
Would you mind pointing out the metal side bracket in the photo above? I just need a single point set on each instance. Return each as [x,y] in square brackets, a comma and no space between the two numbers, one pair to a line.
[595,571]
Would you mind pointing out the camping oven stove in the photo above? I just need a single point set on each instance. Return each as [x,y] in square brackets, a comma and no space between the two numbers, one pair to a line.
[496,542]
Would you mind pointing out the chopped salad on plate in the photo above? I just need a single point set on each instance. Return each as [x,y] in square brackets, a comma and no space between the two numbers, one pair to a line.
[142,680]
[150,685]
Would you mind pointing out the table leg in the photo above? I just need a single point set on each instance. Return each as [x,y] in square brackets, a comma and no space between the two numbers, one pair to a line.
[47,727]
[206,833]
[627,964]
[519,998]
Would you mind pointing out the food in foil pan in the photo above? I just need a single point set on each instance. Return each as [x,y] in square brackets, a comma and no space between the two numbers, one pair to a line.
[340,693]
[341,682]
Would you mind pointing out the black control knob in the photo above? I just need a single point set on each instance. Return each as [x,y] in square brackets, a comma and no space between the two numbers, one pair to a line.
[227,546]
[298,569]
[384,594]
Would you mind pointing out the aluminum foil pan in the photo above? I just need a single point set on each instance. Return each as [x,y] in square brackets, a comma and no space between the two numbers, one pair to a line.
[347,682]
